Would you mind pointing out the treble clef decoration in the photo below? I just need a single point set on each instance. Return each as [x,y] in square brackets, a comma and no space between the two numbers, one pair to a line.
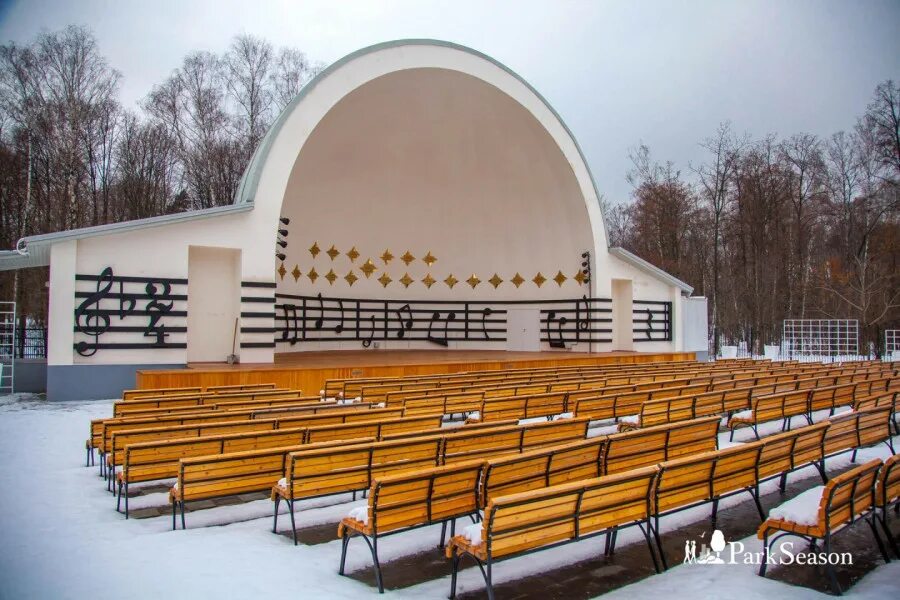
[93,322]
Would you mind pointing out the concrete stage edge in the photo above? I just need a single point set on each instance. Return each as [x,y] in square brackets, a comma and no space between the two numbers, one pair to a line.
[309,370]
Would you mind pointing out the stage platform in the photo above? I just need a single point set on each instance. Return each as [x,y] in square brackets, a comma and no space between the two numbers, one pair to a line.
[309,370]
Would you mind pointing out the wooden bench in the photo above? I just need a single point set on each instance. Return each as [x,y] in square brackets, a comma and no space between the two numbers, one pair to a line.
[348,467]
[374,429]
[150,461]
[205,477]
[683,408]
[130,394]
[771,407]
[446,404]
[470,444]
[652,445]
[401,503]
[887,495]
[523,407]
[240,387]
[519,524]
[846,499]
[214,401]
[850,431]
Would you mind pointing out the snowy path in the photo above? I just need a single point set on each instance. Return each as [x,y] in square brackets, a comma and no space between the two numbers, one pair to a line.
[62,538]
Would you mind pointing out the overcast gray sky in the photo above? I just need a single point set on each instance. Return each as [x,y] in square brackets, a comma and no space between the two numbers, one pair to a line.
[619,73]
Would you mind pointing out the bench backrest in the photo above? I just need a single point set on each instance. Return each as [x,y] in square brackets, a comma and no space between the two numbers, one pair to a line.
[848,496]
[160,460]
[541,468]
[887,490]
[523,407]
[128,394]
[240,387]
[861,428]
[373,429]
[520,522]
[424,496]
[652,445]
[790,450]
[479,444]
[324,469]
[779,405]
[446,404]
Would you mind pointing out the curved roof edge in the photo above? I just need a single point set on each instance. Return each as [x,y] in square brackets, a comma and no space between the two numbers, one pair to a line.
[250,179]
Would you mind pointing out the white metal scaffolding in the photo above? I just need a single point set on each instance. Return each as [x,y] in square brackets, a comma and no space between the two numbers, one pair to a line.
[7,346]
[820,337]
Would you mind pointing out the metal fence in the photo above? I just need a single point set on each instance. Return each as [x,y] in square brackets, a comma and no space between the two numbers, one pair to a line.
[31,342]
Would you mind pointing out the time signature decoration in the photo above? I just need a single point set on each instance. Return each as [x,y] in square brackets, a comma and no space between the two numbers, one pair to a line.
[114,305]
[652,321]
[300,319]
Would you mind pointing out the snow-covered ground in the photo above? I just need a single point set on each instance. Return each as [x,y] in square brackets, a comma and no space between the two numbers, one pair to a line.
[61,537]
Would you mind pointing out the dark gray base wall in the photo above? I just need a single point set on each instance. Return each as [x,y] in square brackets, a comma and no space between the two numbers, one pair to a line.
[702,355]
[30,375]
[94,382]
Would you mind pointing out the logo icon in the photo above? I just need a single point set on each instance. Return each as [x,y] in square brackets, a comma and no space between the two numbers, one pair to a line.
[709,555]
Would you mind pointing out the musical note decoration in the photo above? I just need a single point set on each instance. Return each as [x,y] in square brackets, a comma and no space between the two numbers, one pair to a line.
[407,258]
[517,280]
[406,280]
[350,278]
[495,281]
[353,254]
[649,331]
[332,252]
[281,271]
[473,280]
[296,273]
[539,279]
[328,319]
[314,249]
[428,280]
[560,278]
[652,321]
[368,268]
[94,316]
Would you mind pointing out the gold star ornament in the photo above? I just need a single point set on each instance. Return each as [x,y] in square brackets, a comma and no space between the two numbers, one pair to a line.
[384,280]
[331,276]
[517,280]
[406,280]
[332,252]
[539,279]
[451,281]
[428,280]
[352,254]
[560,278]
[350,278]
[368,268]
[296,273]
[495,281]
[281,271]
[314,249]
[473,280]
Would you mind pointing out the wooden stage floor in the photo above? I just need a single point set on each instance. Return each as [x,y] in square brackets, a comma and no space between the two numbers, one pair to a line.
[309,370]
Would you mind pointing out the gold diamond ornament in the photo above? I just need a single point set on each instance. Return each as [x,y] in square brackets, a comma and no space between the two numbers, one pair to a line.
[406,280]
[517,280]
[387,257]
[351,278]
[407,258]
[451,281]
[539,279]
[579,277]
[332,252]
[495,281]
[368,268]
[384,280]
[312,275]
[296,273]
[560,278]
[428,280]
[314,249]
[473,280]
[429,259]
[281,271]
[352,254]
[331,276]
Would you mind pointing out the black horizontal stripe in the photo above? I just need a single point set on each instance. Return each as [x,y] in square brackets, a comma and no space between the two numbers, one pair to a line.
[258,284]
[268,300]
[132,346]
[127,279]
[257,344]
[258,330]
[114,312]
[138,297]
[131,329]
[257,315]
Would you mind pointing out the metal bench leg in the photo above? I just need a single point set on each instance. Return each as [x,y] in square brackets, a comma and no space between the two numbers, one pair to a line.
[126,499]
[829,569]
[182,514]
[119,498]
[756,432]
[453,571]
[754,491]
[782,482]
[646,532]
[293,524]
[345,541]
[443,533]
[174,504]
[853,456]
[373,546]
[887,531]
[715,512]
[612,541]
[820,466]
[881,548]
[275,518]
[488,578]
[765,555]
[662,553]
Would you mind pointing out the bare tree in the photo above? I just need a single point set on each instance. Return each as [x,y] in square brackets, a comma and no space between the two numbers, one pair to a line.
[292,71]
[248,69]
